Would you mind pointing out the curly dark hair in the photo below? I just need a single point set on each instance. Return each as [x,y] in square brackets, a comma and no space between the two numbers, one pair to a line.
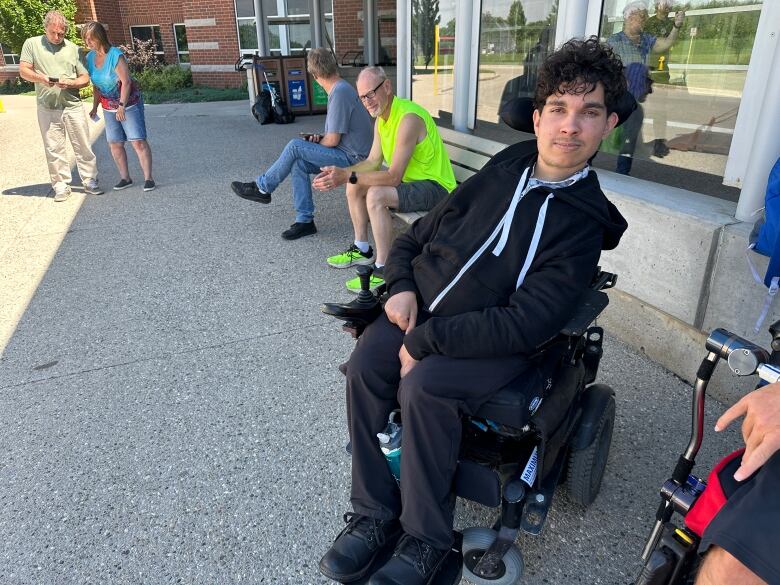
[577,67]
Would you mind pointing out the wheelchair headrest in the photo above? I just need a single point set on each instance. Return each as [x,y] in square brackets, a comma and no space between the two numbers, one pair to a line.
[518,113]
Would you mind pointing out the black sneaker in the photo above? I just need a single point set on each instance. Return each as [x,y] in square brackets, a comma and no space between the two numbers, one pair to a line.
[250,191]
[355,548]
[413,563]
[123,184]
[298,230]
[149,185]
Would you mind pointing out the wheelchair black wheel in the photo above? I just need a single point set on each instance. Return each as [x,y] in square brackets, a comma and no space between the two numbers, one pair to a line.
[586,465]
[475,542]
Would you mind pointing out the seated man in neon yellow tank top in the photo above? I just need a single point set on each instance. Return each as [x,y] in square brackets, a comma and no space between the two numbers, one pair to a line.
[418,173]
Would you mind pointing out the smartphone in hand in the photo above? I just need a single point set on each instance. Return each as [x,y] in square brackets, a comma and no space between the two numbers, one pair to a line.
[95,118]
[306,135]
[54,79]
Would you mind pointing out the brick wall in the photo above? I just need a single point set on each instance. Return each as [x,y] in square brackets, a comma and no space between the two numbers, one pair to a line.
[155,12]
[8,74]
[213,67]
[109,14]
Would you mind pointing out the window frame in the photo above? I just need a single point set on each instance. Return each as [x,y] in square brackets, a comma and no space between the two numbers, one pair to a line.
[179,52]
[14,64]
[161,52]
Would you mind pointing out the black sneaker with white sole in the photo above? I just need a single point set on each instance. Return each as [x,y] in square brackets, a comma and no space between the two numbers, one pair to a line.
[250,191]
[123,184]
[149,185]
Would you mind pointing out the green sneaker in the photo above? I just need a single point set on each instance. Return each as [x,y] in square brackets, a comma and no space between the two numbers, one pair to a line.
[352,256]
[377,280]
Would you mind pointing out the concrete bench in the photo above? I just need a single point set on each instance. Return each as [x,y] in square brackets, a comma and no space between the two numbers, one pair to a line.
[467,154]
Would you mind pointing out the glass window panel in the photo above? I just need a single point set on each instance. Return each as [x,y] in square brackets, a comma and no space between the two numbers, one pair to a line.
[297,7]
[270,8]
[299,36]
[247,34]
[433,63]
[145,33]
[515,38]
[274,42]
[181,37]
[245,8]
[689,85]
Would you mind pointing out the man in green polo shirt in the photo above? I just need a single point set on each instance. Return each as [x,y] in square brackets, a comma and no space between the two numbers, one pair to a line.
[52,63]
[418,173]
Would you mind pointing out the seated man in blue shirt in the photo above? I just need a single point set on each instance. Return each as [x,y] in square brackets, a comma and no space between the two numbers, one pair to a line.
[346,140]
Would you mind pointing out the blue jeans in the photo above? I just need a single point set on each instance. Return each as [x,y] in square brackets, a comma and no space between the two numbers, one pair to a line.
[302,158]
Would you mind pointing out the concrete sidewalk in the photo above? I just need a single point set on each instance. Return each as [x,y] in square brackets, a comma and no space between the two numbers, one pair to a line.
[170,405]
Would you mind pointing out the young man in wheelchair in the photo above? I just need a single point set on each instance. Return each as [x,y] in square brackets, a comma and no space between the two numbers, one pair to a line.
[474,287]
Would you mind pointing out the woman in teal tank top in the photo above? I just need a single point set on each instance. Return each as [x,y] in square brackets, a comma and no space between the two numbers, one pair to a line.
[122,103]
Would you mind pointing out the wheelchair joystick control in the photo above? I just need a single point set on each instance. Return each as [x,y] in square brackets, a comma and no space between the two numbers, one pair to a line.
[365,295]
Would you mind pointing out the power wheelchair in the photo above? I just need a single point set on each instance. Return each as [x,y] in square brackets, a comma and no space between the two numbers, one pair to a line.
[552,425]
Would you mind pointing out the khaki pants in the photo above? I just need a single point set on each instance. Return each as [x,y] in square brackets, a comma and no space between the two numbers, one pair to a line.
[55,124]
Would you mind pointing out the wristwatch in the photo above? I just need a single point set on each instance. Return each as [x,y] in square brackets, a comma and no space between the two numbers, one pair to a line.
[353,178]
[122,104]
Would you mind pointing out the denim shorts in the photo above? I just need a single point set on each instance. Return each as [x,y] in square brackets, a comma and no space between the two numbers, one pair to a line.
[132,128]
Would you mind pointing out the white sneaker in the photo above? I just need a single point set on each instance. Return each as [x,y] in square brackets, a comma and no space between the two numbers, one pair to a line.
[62,195]
[92,188]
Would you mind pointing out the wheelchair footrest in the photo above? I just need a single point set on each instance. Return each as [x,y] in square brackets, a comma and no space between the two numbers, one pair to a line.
[538,502]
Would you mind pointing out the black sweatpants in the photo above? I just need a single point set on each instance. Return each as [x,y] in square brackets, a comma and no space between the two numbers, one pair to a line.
[431,397]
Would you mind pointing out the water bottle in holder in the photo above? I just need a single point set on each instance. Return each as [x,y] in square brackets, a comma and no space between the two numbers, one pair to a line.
[390,443]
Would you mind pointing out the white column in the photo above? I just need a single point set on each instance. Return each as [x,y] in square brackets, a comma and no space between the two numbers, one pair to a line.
[462,73]
[593,21]
[262,42]
[755,145]
[403,20]
[315,20]
[572,20]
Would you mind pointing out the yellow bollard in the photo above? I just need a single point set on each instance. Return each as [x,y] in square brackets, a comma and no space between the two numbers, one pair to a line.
[2,109]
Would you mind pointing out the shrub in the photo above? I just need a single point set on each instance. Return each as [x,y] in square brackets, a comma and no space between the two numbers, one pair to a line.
[168,78]
[14,86]
[141,55]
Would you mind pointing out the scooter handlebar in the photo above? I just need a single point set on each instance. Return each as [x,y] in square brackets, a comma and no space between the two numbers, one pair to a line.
[744,357]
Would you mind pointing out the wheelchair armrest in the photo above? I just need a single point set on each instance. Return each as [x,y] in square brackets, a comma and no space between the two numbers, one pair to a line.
[356,313]
[591,304]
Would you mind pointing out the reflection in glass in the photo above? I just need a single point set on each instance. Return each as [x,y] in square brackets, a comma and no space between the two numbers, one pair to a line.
[515,39]
[182,48]
[297,7]
[270,8]
[689,89]
[247,34]
[245,8]
[299,36]
[433,56]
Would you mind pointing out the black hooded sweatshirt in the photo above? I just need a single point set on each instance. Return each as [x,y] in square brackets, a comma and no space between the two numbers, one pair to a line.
[500,279]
